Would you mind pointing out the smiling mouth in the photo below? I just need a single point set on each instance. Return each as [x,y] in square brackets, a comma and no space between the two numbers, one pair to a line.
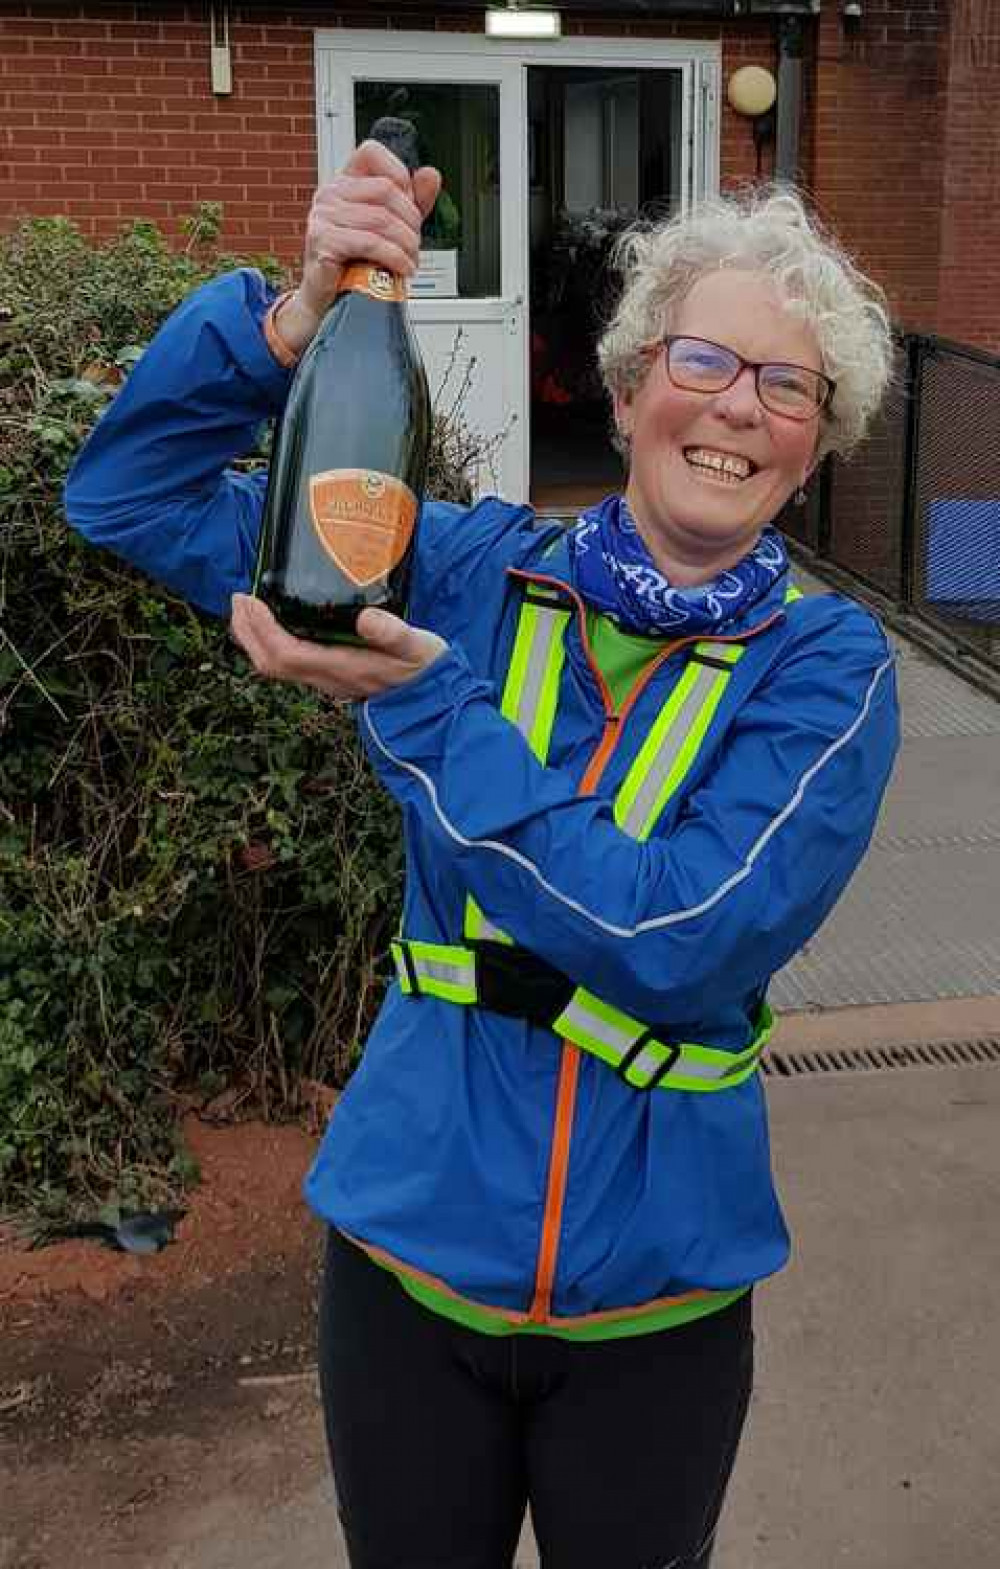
[727,468]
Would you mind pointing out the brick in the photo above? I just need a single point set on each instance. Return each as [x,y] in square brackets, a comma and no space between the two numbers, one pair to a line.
[67,119]
[121,190]
[64,190]
[145,207]
[95,207]
[29,27]
[57,48]
[81,29]
[114,119]
[115,157]
[272,123]
[172,49]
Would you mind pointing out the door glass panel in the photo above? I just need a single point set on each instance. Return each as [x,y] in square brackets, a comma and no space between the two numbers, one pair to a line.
[458,126]
[604,149]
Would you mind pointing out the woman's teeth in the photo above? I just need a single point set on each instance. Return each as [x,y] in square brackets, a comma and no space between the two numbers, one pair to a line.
[724,466]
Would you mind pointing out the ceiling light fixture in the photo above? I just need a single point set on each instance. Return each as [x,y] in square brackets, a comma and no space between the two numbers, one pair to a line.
[521,21]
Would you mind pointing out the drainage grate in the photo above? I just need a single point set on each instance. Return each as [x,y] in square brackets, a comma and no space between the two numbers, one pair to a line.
[879,1059]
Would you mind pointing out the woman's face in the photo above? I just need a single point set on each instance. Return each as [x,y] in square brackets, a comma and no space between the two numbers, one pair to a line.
[692,517]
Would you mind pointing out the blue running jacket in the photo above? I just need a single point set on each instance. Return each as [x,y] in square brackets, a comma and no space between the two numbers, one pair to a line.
[474,1151]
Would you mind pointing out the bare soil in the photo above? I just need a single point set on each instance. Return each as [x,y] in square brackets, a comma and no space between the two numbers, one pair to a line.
[118,1373]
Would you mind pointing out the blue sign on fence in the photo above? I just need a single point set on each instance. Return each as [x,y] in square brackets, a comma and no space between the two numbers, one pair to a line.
[963,558]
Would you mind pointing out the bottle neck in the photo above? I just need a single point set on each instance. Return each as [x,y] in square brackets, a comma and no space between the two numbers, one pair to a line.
[376,282]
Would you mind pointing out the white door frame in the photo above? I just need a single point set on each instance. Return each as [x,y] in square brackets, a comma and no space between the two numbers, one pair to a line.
[470,57]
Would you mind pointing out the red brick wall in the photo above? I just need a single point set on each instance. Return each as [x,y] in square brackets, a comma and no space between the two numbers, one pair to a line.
[106,113]
[877,151]
[753,43]
[970,221]
[106,117]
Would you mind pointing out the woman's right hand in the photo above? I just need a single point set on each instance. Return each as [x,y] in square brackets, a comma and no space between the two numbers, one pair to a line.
[370,211]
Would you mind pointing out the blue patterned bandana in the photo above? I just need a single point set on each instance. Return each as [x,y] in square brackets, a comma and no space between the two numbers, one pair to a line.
[614,572]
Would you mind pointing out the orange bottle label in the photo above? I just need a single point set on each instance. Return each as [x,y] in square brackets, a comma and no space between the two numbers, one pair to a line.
[376,282]
[364,520]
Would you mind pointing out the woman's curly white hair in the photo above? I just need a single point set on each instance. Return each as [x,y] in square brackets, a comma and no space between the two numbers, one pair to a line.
[767,230]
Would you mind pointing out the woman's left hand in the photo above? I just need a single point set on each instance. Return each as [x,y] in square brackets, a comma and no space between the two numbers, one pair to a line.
[393,654]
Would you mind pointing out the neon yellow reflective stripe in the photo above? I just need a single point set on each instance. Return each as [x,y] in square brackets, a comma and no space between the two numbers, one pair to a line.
[516,674]
[609,1034]
[687,754]
[672,745]
[530,699]
[597,1027]
[792,593]
[531,692]
[441,970]
[479,927]
[632,784]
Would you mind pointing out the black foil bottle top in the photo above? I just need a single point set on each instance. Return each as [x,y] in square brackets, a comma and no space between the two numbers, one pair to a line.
[400,136]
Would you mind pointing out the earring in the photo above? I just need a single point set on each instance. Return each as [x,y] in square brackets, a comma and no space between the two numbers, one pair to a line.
[800,497]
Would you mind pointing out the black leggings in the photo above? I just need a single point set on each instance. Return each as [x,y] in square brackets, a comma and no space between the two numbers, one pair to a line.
[440,1436]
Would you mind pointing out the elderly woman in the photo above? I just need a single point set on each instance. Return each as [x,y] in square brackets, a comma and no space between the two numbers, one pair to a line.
[636,770]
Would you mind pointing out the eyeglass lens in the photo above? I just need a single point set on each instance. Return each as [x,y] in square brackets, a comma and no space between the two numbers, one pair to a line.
[699,366]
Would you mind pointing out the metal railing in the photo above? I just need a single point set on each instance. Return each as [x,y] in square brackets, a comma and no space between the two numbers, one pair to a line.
[915,514]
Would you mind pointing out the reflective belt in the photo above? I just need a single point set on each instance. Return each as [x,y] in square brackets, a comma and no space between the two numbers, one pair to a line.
[530,699]
[437,969]
[625,1044]
[647,1063]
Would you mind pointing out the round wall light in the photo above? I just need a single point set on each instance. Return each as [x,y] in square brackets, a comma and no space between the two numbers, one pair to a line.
[752,90]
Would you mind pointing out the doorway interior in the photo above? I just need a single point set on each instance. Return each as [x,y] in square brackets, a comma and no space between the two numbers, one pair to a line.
[604,149]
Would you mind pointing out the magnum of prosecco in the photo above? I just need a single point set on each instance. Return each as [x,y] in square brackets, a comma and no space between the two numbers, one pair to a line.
[349,456]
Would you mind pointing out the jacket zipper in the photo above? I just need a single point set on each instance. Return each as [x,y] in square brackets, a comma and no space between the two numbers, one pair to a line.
[569,1066]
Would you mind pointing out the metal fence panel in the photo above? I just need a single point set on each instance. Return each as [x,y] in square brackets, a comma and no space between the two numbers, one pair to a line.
[916,513]
[956,501]
[867,493]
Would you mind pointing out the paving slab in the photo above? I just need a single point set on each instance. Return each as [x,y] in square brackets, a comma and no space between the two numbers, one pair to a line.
[920,919]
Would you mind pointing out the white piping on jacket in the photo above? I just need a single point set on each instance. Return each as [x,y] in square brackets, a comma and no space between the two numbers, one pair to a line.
[654,922]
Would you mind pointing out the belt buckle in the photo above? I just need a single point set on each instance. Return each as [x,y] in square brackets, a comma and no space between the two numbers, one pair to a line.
[673,1055]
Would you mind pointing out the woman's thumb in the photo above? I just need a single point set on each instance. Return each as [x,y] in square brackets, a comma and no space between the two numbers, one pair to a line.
[426,185]
[384,631]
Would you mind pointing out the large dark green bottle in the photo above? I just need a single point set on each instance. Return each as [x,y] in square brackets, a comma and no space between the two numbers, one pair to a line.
[349,458]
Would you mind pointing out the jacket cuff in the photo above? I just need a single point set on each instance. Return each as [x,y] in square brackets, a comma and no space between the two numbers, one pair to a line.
[285,355]
[250,347]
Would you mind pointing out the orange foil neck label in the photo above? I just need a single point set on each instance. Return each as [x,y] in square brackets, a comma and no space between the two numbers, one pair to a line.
[364,520]
[376,282]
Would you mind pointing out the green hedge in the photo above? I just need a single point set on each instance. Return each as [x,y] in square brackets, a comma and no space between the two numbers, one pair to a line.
[198,874]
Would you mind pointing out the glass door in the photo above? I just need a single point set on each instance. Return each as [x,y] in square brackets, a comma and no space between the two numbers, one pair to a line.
[468,297]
